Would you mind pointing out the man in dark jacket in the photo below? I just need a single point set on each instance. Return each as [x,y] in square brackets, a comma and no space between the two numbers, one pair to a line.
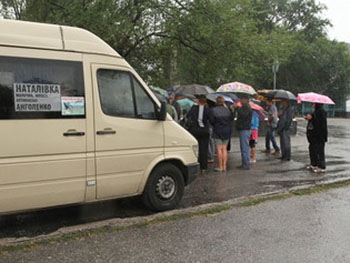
[198,119]
[317,134]
[244,119]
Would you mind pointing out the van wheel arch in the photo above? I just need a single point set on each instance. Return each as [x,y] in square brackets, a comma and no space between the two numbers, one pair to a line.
[164,188]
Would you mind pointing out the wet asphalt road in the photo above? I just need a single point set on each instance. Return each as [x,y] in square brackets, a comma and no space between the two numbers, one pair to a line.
[313,228]
[268,175]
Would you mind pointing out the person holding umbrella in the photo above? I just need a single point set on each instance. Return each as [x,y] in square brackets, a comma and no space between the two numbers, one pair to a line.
[317,133]
[244,119]
[283,129]
[271,127]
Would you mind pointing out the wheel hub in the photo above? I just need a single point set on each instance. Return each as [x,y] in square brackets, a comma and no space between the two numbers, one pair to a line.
[166,187]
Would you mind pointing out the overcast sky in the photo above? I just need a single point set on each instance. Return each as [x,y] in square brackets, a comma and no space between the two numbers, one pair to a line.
[339,14]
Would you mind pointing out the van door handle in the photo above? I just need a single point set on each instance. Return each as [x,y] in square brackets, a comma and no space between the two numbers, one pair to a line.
[105,132]
[73,133]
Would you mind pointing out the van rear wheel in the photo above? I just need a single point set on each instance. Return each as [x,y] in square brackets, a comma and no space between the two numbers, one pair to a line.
[164,188]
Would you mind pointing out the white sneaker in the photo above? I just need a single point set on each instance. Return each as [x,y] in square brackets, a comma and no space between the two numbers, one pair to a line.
[310,167]
[319,170]
[253,161]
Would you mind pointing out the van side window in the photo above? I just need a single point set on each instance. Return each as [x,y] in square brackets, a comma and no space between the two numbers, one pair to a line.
[41,88]
[121,95]
[145,106]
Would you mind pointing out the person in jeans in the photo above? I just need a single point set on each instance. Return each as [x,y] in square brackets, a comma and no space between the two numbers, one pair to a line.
[283,129]
[271,127]
[244,119]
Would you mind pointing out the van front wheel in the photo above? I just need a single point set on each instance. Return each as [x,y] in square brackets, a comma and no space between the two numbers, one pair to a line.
[164,188]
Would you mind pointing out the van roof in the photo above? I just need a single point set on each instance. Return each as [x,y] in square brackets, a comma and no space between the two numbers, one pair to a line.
[49,36]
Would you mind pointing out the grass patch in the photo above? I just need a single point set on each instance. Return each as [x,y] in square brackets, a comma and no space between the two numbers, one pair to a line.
[257,201]
[320,188]
[52,240]
[298,192]
[213,210]
[104,230]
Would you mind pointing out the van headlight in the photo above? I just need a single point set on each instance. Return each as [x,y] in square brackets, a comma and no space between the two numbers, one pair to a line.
[195,150]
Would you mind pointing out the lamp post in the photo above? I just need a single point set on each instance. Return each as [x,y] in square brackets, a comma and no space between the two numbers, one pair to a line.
[275,66]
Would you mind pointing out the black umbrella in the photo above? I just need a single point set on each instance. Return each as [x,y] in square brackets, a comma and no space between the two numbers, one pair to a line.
[281,94]
[193,89]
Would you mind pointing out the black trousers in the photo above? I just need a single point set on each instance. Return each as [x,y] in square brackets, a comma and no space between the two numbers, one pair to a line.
[285,144]
[317,155]
[202,136]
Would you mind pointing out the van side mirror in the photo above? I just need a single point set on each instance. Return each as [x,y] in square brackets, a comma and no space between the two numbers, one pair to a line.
[161,112]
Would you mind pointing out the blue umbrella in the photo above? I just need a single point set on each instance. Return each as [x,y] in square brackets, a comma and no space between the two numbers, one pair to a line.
[186,103]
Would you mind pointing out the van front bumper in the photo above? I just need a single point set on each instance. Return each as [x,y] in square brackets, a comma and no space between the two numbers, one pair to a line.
[192,172]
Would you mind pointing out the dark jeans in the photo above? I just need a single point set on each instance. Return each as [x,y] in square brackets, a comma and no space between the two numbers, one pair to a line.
[245,149]
[202,136]
[211,146]
[270,136]
[317,156]
[285,144]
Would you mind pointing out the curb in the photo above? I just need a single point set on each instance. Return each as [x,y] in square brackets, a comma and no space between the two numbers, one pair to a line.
[124,223]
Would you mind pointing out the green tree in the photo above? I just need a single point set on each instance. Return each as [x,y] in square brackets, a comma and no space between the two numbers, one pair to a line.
[321,67]
[303,16]
[219,42]
[208,41]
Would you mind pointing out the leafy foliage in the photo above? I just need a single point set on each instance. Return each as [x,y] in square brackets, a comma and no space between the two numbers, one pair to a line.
[209,41]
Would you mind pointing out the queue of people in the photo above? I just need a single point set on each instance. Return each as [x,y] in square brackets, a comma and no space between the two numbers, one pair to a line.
[217,123]
[211,124]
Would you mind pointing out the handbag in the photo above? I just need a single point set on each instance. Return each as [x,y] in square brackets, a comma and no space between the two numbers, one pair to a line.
[198,131]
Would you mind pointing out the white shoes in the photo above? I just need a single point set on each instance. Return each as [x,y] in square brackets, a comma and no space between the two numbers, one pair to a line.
[319,170]
[310,167]
[315,169]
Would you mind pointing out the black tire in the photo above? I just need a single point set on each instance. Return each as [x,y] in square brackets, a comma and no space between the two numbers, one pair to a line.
[164,188]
